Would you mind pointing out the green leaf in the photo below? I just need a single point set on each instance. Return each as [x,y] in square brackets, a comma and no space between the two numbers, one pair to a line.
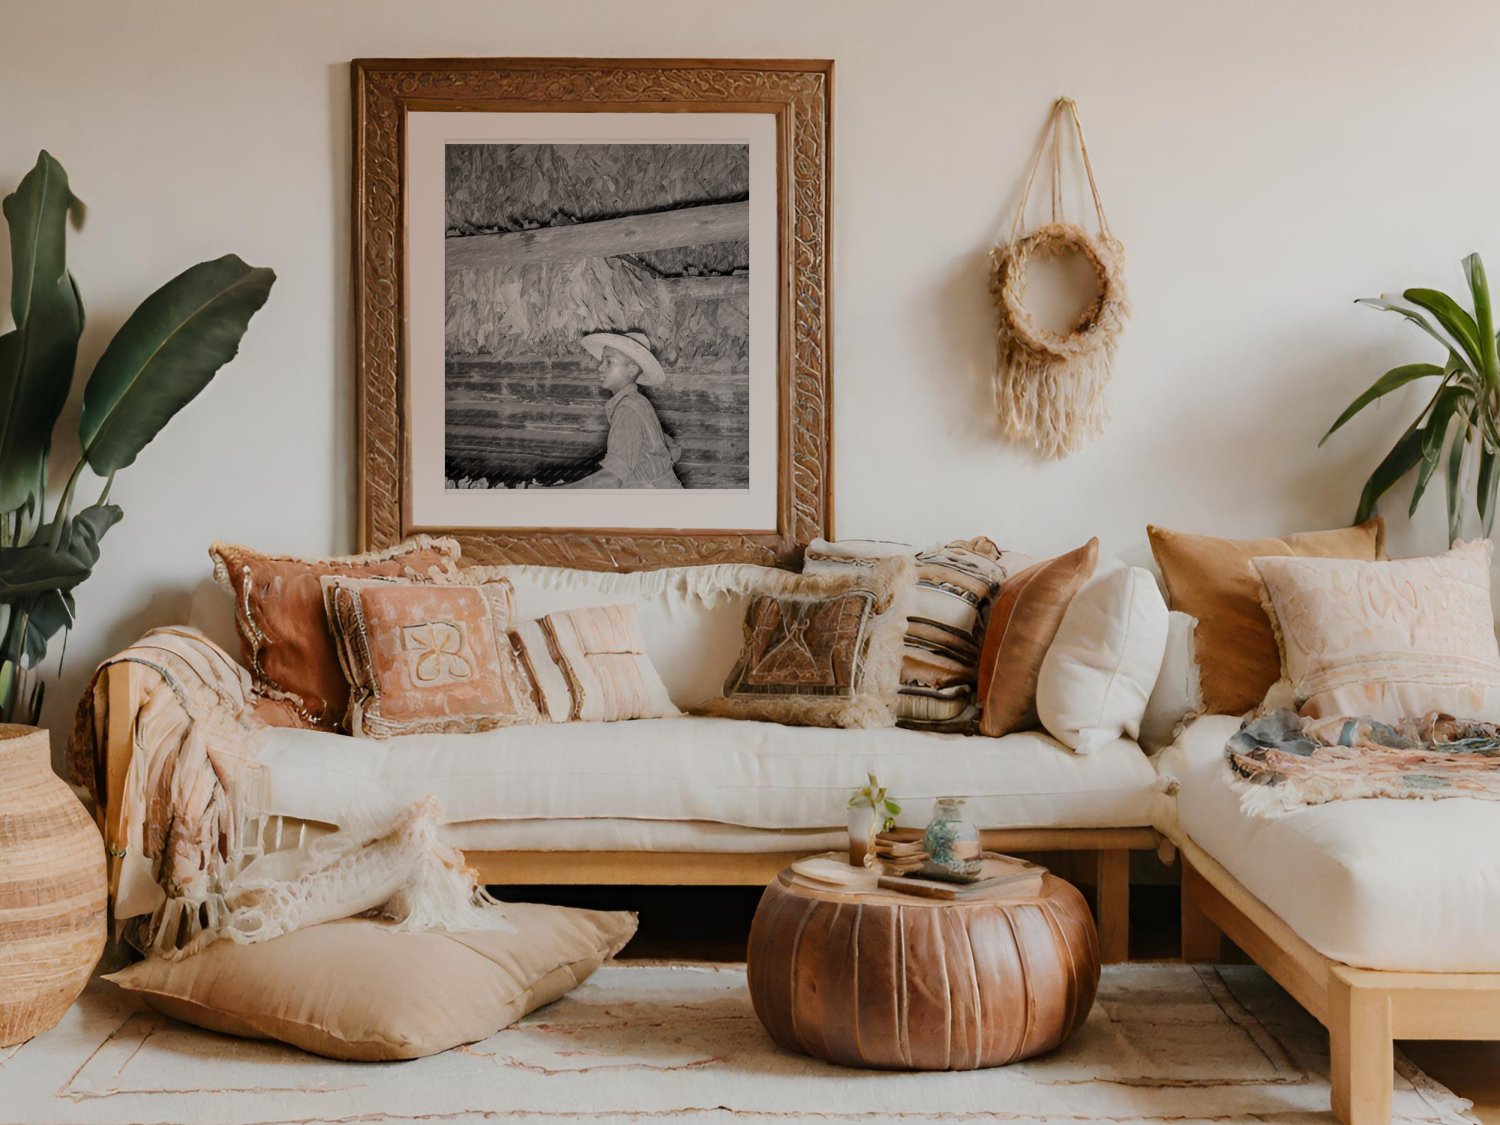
[1390,302]
[1455,474]
[81,537]
[166,353]
[1393,379]
[35,568]
[1488,479]
[1454,319]
[1446,403]
[1479,289]
[1402,458]
[37,356]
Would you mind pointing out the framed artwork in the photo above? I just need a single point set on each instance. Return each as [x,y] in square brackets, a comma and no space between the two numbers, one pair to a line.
[591,304]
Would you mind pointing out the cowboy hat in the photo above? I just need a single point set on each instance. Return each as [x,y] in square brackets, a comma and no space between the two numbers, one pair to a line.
[635,347]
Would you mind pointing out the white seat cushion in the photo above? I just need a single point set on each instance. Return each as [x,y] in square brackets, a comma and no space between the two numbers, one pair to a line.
[1377,883]
[730,771]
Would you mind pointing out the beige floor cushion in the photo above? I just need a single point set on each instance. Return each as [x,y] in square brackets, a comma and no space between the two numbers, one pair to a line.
[357,990]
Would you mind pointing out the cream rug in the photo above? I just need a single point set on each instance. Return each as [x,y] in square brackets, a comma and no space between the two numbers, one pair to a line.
[644,1042]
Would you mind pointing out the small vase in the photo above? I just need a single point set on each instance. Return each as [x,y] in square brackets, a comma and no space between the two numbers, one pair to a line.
[951,843]
[52,889]
[861,831]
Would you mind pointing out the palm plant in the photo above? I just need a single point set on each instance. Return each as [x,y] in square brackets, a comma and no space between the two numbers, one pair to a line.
[1458,426]
[163,355]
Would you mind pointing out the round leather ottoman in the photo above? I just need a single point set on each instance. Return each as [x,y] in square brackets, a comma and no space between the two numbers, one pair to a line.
[884,979]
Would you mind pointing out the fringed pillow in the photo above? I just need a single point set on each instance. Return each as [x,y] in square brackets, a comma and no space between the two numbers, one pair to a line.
[590,665]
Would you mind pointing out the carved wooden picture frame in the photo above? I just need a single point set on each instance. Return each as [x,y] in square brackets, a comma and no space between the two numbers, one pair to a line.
[423,368]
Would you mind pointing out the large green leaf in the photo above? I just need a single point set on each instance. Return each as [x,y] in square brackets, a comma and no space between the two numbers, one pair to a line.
[1402,458]
[37,356]
[1448,402]
[164,355]
[1396,303]
[1455,474]
[1454,318]
[1484,317]
[1393,379]
[35,568]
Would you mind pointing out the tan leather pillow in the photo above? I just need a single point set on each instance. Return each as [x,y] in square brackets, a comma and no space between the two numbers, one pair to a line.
[1214,580]
[285,640]
[356,990]
[1023,622]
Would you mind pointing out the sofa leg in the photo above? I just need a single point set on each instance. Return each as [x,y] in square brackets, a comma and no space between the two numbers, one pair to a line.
[1202,941]
[1112,886]
[1361,1052]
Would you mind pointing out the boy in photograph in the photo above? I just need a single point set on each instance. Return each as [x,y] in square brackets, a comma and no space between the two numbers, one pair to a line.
[639,453]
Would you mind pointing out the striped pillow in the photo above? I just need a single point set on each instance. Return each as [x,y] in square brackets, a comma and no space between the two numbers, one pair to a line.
[956,583]
[590,665]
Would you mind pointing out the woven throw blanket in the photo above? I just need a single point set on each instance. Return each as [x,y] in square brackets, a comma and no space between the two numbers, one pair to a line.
[1280,761]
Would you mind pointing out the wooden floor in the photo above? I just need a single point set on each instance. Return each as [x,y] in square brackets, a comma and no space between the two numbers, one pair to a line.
[713,924]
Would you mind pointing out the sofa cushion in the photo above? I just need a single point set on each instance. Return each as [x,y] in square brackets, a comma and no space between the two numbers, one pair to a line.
[731,771]
[590,665]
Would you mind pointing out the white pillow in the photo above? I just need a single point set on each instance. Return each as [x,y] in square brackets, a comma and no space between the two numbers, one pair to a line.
[1098,674]
[1178,694]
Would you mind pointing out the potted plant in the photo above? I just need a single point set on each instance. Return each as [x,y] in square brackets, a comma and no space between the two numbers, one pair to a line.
[1457,427]
[871,811]
[162,356]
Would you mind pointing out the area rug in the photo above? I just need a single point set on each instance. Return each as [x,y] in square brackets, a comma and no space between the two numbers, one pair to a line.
[647,1042]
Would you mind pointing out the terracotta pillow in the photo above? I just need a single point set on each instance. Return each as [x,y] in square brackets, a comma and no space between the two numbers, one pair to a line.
[285,640]
[1025,618]
[1214,580]
[590,665]
[427,657]
[356,990]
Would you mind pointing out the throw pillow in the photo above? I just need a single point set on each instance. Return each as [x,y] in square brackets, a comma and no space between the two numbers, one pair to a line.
[356,990]
[423,657]
[1388,640]
[590,665]
[1099,670]
[1213,580]
[823,649]
[285,640]
[1026,617]
[1177,695]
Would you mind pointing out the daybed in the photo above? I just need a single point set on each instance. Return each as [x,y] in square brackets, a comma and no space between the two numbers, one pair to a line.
[670,801]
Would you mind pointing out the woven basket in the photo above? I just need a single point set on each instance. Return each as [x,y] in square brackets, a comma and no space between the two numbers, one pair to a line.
[52,889]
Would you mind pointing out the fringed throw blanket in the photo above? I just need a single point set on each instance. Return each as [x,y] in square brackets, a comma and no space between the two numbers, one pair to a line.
[1281,761]
[191,841]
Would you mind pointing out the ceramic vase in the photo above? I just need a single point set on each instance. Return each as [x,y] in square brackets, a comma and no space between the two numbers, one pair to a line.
[951,843]
[52,888]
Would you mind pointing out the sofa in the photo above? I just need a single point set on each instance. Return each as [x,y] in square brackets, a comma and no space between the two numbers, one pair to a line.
[689,800]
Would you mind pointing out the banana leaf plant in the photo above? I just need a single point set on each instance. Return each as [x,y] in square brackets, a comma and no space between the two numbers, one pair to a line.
[1457,427]
[162,356]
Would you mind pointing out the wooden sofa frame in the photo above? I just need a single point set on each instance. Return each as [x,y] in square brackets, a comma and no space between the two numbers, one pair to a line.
[1111,846]
[1364,1010]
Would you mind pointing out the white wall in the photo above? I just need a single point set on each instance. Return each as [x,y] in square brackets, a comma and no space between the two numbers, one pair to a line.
[1264,164]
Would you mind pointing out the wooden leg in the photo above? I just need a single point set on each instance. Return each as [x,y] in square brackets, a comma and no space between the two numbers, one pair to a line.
[1112,885]
[1361,1051]
[1202,941]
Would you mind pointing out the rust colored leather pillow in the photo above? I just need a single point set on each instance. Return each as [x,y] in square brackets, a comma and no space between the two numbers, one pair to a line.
[1023,622]
[1214,580]
[285,640]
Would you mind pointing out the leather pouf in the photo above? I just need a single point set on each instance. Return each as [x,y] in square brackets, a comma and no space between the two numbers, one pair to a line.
[901,983]
[52,888]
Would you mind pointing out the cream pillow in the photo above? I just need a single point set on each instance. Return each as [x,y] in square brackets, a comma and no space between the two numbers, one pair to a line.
[590,665]
[1100,668]
[1177,695]
[1389,640]
[357,990]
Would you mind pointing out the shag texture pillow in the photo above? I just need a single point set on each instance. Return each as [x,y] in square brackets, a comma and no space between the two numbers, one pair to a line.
[956,584]
[590,665]
[823,650]
[1391,640]
[1100,668]
[1213,580]
[1026,617]
[355,990]
[425,657]
[285,640]
[1177,695]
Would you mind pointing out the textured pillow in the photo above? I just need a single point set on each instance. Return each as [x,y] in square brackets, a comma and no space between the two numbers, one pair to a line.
[1391,640]
[956,584]
[1214,581]
[1025,619]
[356,990]
[1177,694]
[590,665]
[1100,668]
[285,640]
[823,649]
[424,657]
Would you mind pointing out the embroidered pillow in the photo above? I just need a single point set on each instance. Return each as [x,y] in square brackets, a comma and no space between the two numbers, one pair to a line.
[1388,640]
[1213,580]
[590,665]
[823,649]
[424,657]
[284,635]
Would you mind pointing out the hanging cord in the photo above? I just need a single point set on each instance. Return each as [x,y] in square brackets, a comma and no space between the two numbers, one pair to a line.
[1051,136]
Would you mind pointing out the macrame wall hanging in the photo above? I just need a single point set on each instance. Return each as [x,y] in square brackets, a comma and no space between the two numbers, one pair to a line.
[1049,386]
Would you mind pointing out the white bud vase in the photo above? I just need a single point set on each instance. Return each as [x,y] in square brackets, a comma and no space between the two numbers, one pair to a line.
[861,829]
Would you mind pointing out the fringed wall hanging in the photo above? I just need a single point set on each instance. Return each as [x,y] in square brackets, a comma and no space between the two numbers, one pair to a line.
[1049,386]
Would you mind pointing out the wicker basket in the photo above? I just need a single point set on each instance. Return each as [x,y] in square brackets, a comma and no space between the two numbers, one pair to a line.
[52,889]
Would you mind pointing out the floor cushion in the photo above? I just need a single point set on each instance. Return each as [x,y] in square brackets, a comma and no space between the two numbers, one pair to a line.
[355,989]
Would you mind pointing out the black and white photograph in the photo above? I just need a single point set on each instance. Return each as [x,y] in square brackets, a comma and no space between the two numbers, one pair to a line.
[596,316]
